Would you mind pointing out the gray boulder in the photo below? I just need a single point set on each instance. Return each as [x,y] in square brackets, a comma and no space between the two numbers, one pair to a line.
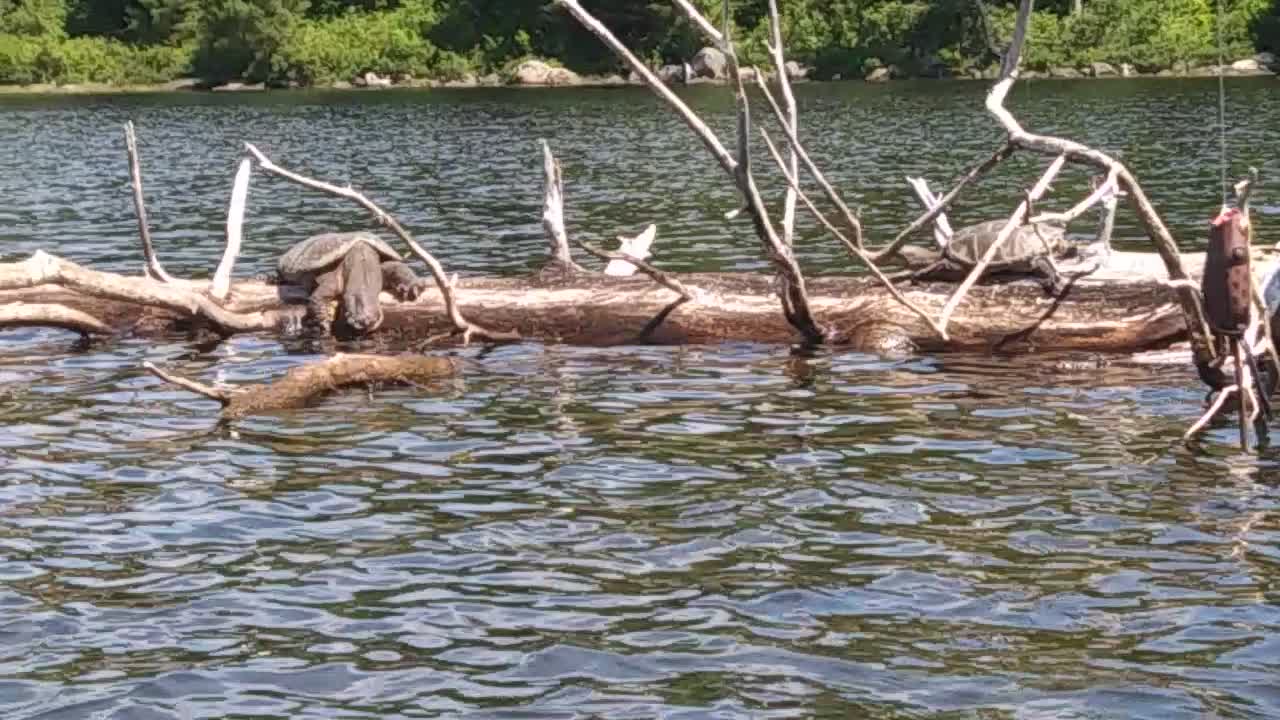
[1065,72]
[1267,60]
[1101,69]
[1248,65]
[373,80]
[710,63]
[538,73]
[880,75]
[1127,70]
[796,71]
[671,74]
[240,87]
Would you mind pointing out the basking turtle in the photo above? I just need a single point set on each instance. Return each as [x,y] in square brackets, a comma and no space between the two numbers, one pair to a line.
[353,267]
[1030,250]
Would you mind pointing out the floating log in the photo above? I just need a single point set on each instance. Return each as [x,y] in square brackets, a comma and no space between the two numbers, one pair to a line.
[1125,306]
[302,385]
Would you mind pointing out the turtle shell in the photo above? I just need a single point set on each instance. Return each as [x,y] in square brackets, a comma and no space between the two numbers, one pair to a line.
[318,252]
[970,243]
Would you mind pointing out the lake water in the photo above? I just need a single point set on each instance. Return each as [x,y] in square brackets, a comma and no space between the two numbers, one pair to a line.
[729,531]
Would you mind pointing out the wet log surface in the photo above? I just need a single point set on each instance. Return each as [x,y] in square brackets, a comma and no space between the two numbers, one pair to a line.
[1124,307]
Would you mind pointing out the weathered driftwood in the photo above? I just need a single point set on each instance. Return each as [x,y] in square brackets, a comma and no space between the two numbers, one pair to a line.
[303,385]
[1125,307]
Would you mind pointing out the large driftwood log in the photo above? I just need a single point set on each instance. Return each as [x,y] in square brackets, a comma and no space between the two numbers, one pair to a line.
[1125,307]
[302,385]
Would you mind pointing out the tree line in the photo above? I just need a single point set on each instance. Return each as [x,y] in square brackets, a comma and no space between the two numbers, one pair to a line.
[308,42]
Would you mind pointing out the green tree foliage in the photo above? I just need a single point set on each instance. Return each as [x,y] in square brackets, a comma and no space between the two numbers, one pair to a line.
[314,41]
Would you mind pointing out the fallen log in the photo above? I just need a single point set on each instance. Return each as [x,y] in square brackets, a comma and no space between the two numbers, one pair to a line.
[1125,306]
[302,385]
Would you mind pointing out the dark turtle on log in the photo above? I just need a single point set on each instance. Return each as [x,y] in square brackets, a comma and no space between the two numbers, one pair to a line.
[1030,250]
[353,267]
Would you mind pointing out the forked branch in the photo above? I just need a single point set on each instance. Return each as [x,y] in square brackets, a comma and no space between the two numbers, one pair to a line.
[1076,152]
[186,299]
[1019,217]
[795,303]
[446,284]
[853,249]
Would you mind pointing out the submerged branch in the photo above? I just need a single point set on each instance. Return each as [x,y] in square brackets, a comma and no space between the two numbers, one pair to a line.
[302,385]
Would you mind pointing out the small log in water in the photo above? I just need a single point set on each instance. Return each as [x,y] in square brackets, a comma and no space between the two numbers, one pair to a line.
[302,385]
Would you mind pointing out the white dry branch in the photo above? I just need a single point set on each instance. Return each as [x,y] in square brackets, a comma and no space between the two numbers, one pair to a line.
[553,211]
[942,231]
[636,246]
[51,315]
[153,267]
[446,284]
[235,231]
[792,119]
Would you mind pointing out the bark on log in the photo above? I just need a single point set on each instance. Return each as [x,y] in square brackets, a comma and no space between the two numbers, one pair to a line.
[1127,306]
[303,385]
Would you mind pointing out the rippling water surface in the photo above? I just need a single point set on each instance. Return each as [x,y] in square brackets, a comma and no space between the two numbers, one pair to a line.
[731,531]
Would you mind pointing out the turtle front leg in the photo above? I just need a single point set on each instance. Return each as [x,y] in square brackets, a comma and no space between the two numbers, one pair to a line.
[320,314]
[400,280]
[1049,276]
[933,271]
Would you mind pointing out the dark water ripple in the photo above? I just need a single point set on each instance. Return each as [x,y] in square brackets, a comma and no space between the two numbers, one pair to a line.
[734,531]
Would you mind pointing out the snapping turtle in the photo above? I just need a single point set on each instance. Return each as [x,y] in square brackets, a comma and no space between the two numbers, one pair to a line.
[1029,251]
[353,267]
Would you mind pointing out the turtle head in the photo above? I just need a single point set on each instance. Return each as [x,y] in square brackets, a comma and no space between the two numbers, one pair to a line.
[361,309]
[914,256]
[361,285]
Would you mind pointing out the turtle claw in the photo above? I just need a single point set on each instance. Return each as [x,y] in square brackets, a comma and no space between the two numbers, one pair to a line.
[411,291]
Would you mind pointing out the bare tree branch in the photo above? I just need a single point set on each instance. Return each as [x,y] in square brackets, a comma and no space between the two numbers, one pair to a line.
[301,385]
[792,120]
[944,204]
[44,269]
[795,304]
[690,118]
[1165,245]
[47,315]
[1108,188]
[443,282]
[643,266]
[793,139]
[553,211]
[1018,218]
[853,249]
[702,22]
[235,231]
[153,267]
